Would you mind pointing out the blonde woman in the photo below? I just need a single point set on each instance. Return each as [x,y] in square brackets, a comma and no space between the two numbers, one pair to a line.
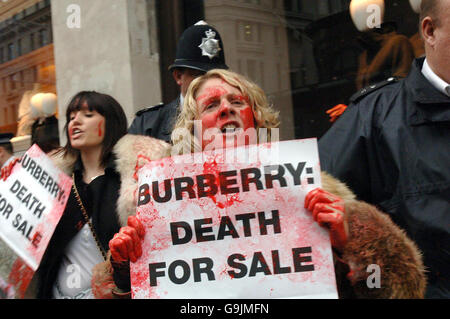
[228,104]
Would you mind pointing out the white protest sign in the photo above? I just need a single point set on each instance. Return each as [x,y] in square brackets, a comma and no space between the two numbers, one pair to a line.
[32,201]
[221,229]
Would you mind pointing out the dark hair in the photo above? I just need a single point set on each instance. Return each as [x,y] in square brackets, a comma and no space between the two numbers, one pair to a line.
[115,120]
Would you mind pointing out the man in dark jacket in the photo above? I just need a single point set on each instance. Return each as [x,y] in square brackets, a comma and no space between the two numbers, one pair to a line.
[391,146]
[199,50]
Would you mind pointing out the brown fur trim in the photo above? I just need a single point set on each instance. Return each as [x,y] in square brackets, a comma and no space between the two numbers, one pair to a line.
[102,282]
[133,151]
[375,240]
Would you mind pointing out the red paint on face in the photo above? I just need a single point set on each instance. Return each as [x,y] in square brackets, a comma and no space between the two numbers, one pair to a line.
[247,117]
[100,124]
[221,105]
[210,94]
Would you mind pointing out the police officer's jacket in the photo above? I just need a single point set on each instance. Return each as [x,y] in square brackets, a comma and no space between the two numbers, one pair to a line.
[157,121]
[392,148]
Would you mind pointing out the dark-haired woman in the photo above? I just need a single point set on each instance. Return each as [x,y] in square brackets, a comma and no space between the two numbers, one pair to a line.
[95,122]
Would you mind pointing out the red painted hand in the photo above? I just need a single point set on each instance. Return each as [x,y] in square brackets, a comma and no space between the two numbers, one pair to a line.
[6,171]
[336,111]
[328,210]
[127,243]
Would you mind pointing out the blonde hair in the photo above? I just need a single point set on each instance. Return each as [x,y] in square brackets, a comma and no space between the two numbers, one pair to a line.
[264,114]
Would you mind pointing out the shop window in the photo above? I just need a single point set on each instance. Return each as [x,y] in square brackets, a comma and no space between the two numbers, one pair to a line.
[19,47]
[11,54]
[32,43]
[43,37]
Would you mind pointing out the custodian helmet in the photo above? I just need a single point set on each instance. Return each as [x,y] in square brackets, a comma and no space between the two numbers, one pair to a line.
[200,47]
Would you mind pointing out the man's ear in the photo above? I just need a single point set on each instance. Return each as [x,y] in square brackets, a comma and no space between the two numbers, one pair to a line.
[428,28]
[177,73]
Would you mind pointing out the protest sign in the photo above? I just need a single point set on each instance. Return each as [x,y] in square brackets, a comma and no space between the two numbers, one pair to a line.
[224,229]
[32,200]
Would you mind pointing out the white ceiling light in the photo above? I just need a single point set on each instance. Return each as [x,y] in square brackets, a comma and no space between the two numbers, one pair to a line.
[367,14]
[415,4]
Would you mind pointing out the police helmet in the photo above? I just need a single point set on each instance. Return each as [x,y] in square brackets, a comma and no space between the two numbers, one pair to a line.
[200,47]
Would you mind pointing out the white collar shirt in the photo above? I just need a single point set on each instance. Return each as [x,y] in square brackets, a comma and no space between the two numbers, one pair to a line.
[435,80]
[181,101]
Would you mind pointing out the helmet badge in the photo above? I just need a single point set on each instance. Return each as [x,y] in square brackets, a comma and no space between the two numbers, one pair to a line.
[210,46]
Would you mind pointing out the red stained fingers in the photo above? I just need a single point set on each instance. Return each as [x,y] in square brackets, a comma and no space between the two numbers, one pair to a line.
[127,243]
[322,208]
[118,248]
[328,210]
[329,219]
[135,223]
[318,195]
[133,243]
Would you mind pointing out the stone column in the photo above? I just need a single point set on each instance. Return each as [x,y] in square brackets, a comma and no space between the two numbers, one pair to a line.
[107,46]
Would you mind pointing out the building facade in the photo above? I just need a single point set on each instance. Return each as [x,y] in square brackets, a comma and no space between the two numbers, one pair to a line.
[305,54]
[26,58]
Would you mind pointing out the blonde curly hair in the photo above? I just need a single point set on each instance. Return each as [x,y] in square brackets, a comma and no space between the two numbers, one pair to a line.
[264,114]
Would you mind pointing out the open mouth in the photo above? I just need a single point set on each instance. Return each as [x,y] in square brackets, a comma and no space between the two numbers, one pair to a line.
[76,132]
[230,128]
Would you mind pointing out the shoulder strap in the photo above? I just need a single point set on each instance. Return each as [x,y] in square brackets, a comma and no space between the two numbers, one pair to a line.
[371,88]
[150,108]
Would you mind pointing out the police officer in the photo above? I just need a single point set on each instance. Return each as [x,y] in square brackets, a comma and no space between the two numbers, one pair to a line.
[391,147]
[199,50]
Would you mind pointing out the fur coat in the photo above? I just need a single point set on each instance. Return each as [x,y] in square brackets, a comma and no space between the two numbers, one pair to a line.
[373,237]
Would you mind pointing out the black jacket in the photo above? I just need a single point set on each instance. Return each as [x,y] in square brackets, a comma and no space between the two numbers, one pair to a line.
[392,147]
[99,199]
[157,121]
